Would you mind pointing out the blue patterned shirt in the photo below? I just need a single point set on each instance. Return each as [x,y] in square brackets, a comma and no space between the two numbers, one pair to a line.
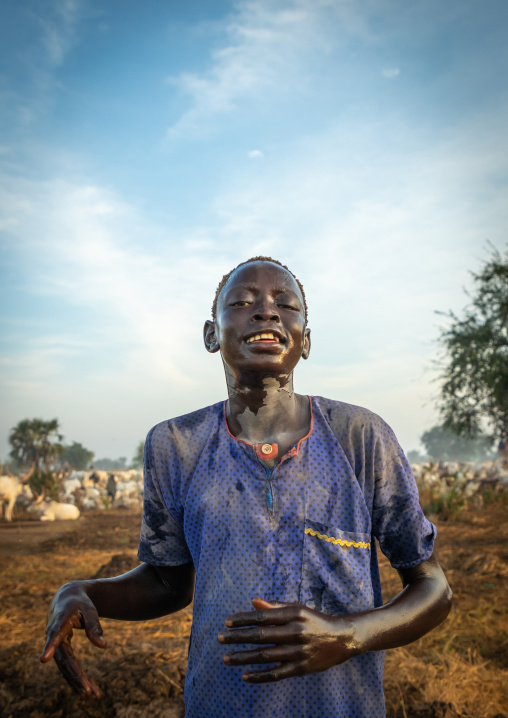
[300,532]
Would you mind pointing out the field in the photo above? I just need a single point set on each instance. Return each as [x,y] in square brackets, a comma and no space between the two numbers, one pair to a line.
[460,669]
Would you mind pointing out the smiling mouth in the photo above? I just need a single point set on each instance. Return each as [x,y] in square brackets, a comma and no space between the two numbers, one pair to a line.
[265,337]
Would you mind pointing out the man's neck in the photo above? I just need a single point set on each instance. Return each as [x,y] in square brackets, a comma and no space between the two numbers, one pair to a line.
[266,409]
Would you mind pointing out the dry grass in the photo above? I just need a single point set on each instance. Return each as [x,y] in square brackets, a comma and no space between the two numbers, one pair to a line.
[464,662]
[460,669]
[469,684]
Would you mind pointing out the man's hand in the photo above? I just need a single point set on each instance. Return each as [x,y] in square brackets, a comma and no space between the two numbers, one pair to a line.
[144,593]
[72,608]
[300,639]
[303,641]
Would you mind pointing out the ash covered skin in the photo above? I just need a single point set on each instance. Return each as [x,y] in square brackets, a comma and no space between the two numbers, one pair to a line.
[261,332]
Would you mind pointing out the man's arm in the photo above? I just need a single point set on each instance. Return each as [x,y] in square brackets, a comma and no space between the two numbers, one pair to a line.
[306,641]
[145,592]
[423,604]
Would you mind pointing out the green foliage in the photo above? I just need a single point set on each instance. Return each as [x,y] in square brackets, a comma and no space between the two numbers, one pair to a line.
[490,496]
[44,480]
[107,502]
[475,373]
[36,441]
[443,443]
[77,456]
[444,504]
[138,456]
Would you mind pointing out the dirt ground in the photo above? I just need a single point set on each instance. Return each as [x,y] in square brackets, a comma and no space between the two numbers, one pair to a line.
[458,670]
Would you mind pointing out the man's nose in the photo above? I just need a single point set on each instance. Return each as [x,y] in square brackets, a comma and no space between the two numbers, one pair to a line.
[265,312]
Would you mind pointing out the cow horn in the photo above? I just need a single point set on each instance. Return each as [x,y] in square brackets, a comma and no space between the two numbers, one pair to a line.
[25,478]
[39,497]
[7,472]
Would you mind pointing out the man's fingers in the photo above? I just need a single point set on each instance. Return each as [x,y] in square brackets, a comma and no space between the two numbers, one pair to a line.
[69,667]
[286,670]
[260,603]
[261,634]
[268,654]
[93,628]
[265,617]
[54,637]
[56,634]
[71,670]
[48,650]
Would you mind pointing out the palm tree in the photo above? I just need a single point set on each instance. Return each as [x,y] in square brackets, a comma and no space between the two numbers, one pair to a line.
[36,441]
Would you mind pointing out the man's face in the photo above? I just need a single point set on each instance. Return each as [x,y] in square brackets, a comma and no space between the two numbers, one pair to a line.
[260,324]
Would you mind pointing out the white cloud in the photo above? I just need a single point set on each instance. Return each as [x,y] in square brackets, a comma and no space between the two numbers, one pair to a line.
[255,154]
[59,29]
[86,243]
[267,50]
[391,72]
[146,291]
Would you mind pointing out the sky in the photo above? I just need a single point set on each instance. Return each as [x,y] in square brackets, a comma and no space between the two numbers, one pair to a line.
[147,148]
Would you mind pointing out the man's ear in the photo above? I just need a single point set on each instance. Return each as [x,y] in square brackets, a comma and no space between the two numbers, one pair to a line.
[306,345]
[211,343]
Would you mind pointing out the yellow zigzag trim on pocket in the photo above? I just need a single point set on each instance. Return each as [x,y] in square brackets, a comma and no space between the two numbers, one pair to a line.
[341,542]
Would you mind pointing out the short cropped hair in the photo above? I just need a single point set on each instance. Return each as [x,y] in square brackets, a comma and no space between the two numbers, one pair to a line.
[225,278]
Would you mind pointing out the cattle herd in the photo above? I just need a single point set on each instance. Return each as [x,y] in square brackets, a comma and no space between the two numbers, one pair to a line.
[77,491]
[87,490]
[466,479]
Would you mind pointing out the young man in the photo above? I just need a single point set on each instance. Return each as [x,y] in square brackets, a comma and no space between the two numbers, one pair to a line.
[273,499]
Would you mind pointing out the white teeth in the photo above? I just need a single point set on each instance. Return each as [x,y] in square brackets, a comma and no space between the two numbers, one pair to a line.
[257,337]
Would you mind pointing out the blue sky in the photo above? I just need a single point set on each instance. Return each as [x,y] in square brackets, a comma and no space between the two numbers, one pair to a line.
[145,149]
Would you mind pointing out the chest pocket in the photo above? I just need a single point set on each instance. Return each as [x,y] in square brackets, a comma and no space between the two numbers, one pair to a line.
[336,570]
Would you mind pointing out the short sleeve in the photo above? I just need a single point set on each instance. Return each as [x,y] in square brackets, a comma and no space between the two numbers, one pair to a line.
[162,541]
[405,535]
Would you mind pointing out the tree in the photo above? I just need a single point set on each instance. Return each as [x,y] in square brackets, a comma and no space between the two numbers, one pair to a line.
[36,441]
[77,456]
[138,456]
[443,443]
[416,457]
[474,374]
[110,464]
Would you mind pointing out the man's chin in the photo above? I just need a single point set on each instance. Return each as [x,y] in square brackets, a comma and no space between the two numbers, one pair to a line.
[262,364]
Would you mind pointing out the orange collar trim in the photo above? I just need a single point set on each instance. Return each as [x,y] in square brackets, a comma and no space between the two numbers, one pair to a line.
[258,448]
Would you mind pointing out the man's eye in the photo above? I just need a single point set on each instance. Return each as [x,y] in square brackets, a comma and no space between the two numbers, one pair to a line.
[240,303]
[288,306]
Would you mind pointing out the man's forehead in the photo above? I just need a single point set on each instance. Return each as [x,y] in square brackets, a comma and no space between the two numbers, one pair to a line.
[248,275]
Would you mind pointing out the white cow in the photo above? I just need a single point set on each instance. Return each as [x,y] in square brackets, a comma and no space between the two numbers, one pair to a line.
[92,499]
[70,485]
[55,511]
[10,489]
[127,489]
